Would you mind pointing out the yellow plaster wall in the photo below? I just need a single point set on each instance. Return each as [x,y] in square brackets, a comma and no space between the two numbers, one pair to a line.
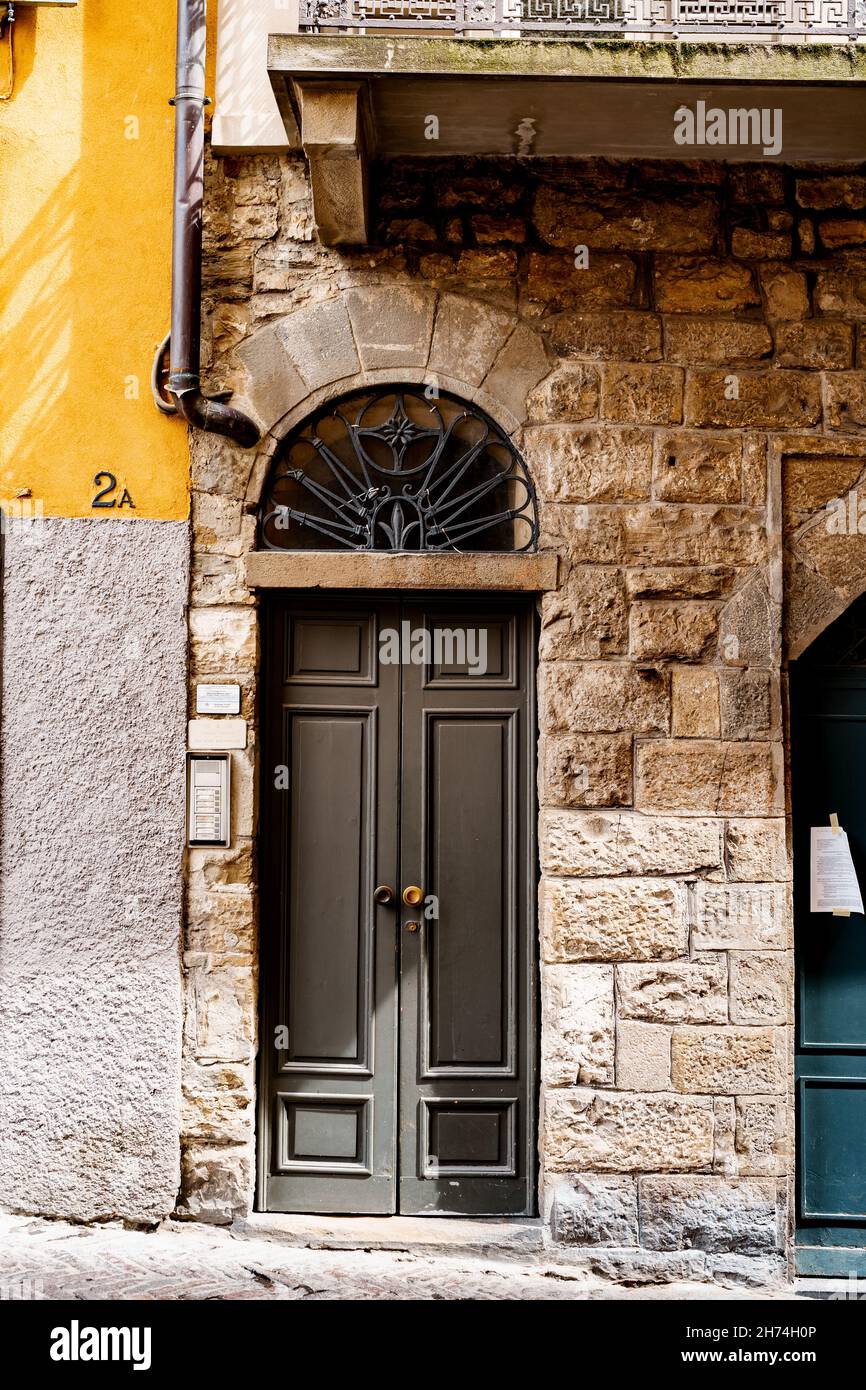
[85,237]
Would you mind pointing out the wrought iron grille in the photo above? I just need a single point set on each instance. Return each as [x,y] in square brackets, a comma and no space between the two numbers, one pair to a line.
[736,20]
[396,469]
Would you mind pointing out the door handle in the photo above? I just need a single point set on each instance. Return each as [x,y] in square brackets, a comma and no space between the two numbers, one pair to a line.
[412,895]
[383,894]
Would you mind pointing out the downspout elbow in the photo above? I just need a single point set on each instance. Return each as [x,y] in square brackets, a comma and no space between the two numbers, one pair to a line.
[214,416]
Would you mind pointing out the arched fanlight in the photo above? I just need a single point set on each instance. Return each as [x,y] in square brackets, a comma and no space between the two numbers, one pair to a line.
[398,469]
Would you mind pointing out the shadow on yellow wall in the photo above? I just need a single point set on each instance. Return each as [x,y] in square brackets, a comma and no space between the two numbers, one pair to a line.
[85,235]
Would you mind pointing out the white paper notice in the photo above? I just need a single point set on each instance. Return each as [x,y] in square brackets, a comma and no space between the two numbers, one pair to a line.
[834,880]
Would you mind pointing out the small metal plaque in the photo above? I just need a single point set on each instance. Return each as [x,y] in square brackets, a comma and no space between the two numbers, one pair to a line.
[217,699]
[208,801]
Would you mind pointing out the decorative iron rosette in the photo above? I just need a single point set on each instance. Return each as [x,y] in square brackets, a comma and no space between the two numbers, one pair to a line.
[398,469]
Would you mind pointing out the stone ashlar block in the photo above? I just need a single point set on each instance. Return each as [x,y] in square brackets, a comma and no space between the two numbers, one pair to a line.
[613,336]
[569,394]
[588,617]
[216,1182]
[643,1056]
[785,291]
[841,292]
[587,770]
[589,464]
[749,626]
[692,285]
[679,631]
[755,849]
[817,344]
[761,1135]
[698,467]
[695,702]
[642,395]
[710,1213]
[620,222]
[765,400]
[832,191]
[518,367]
[223,640]
[762,987]
[596,1209]
[846,400]
[604,697]
[750,245]
[707,777]
[614,919]
[596,844]
[838,558]
[698,341]
[727,1061]
[749,704]
[688,992]
[606,281]
[740,916]
[220,1018]
[577,1025]
[392,325]
[617,1132]
[319,343]
[467,336]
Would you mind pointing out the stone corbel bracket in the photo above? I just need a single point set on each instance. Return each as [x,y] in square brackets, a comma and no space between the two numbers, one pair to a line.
[334,129]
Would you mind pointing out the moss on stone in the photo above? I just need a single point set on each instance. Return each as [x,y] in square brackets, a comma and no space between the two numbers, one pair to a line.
[609,57]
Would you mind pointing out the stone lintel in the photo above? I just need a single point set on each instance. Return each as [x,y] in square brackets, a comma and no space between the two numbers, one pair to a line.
[309,569]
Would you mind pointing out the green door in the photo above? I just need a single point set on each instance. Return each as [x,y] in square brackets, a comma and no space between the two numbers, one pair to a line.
[828,706]
[398,1036]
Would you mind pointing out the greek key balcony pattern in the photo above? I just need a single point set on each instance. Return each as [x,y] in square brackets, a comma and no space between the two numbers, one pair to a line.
[732,20]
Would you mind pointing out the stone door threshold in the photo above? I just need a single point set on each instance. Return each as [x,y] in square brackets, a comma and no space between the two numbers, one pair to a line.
[518,1238]
[522,1241]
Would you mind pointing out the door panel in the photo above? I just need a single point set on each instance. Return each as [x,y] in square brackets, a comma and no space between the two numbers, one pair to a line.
[466,986]
[426,768]
[328,1090]
[329,966]
[828,761]
[467,1006]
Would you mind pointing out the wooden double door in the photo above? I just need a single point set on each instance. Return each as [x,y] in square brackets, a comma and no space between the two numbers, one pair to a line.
[398,1038]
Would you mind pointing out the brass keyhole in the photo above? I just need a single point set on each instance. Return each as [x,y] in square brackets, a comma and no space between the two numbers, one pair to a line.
[412,926]
[413,895]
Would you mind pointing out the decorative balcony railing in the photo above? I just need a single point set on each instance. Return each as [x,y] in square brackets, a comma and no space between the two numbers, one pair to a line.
[778,21]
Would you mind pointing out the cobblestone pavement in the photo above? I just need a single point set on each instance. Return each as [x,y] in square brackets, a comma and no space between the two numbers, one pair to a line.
[56,1260]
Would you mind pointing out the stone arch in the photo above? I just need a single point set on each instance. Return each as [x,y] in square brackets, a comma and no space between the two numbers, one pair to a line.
[373,336]
[823,482]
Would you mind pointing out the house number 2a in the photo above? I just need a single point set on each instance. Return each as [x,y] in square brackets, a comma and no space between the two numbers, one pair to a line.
[107,485]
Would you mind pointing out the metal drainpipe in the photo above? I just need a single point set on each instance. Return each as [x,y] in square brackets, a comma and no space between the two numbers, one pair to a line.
[184,381]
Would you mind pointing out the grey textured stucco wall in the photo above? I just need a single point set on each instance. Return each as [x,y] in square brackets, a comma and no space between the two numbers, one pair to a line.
[91,793]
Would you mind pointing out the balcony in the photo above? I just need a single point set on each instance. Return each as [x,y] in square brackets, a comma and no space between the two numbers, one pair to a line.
[719,21]
[554,79]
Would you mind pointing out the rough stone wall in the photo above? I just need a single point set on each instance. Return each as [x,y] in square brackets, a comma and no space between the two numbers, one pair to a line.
[708,350]
[91,797]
